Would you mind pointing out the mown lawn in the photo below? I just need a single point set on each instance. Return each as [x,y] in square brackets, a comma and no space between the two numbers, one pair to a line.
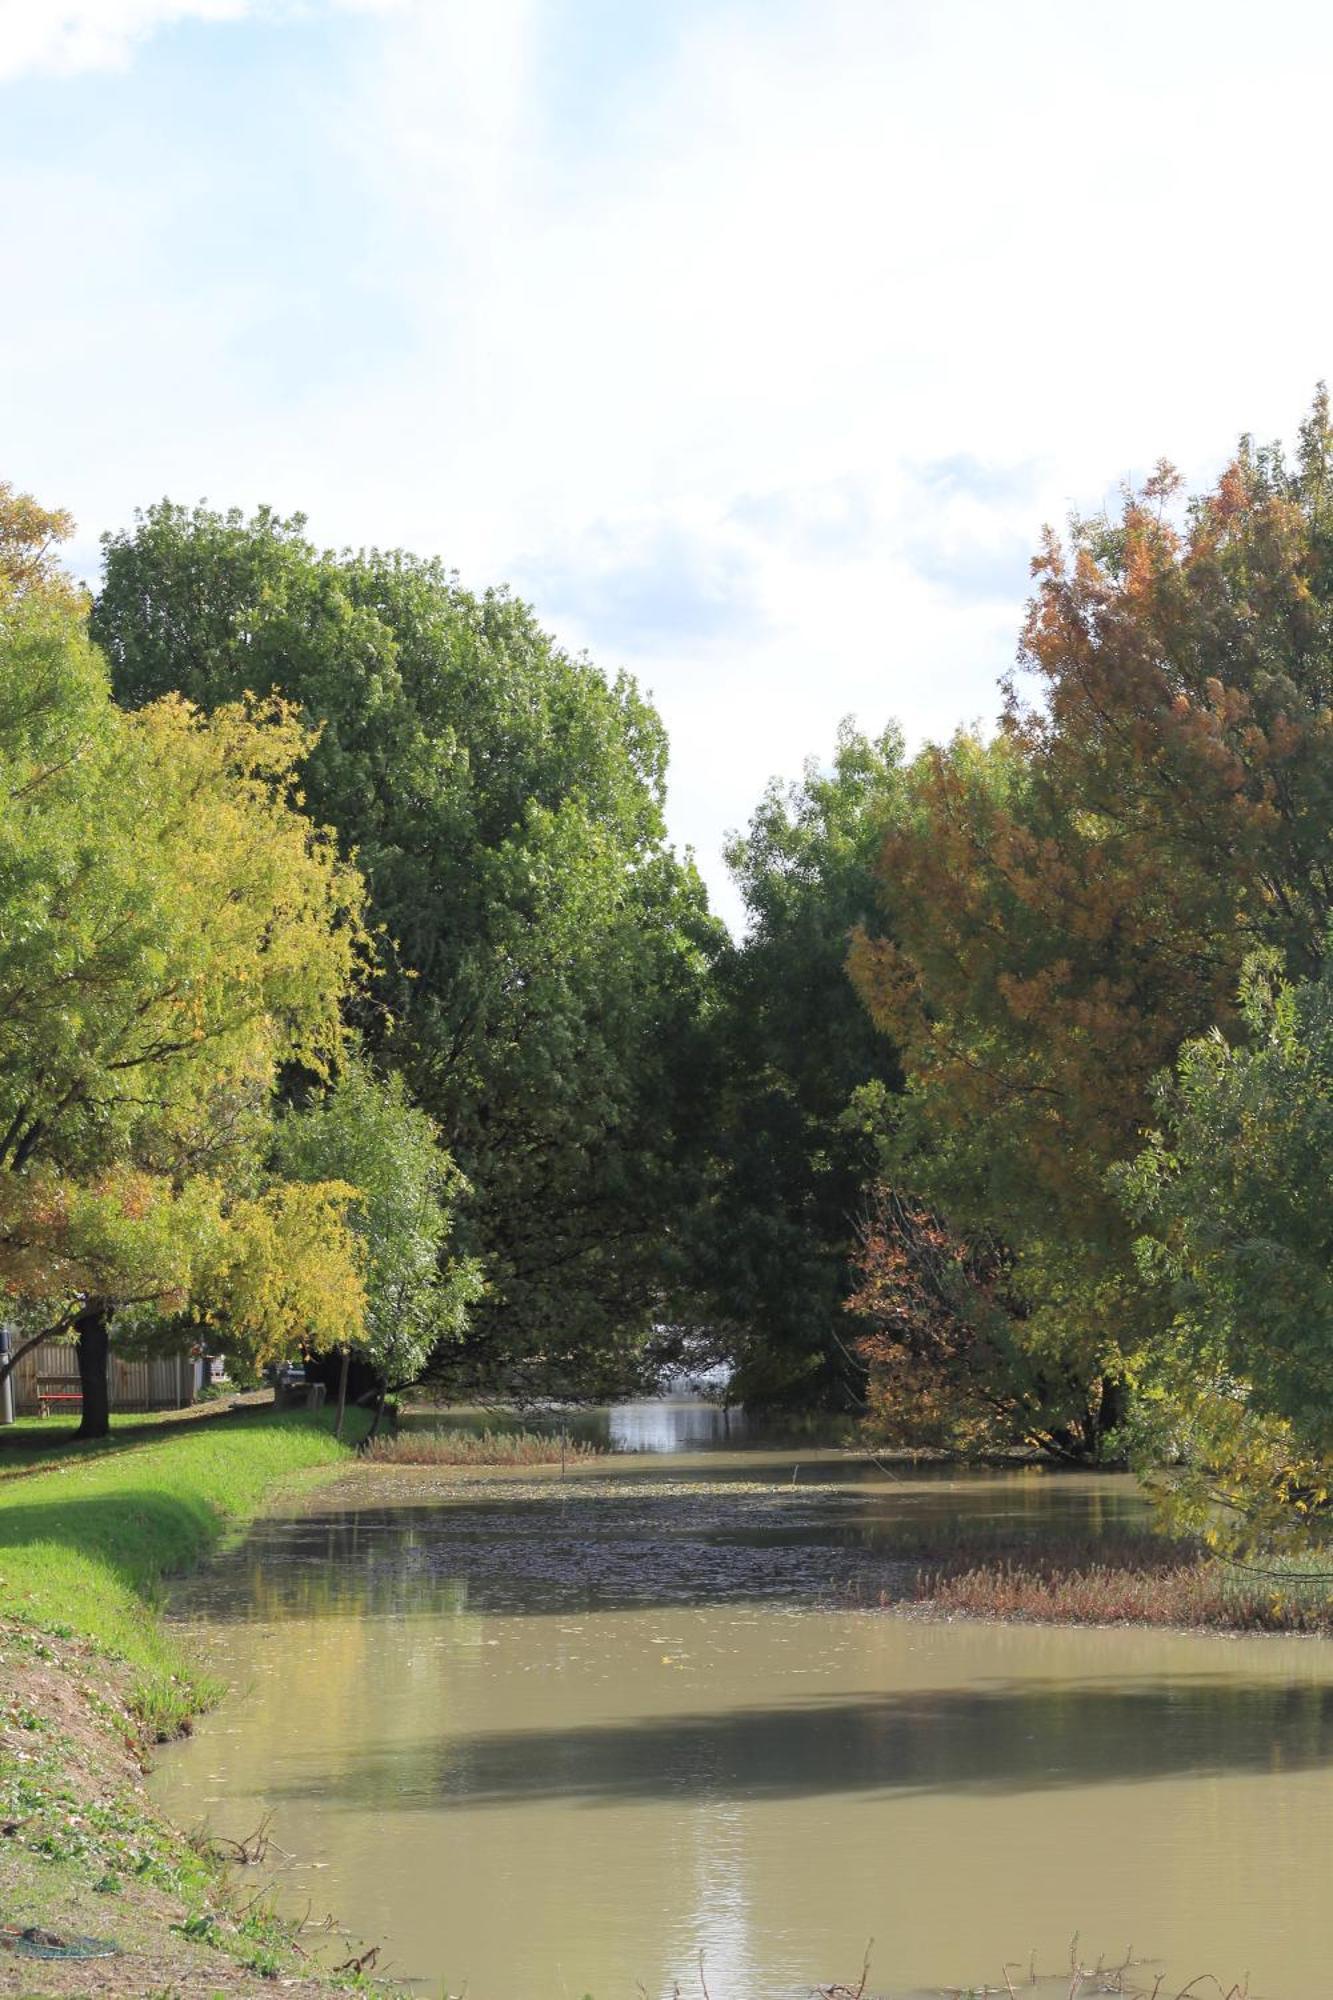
[86,1546]
[32,1442]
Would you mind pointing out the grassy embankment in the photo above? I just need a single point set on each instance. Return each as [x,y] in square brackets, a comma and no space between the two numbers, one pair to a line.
[91,1675]
[36,1443]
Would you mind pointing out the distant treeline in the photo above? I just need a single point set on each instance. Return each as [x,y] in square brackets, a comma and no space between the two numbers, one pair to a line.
[352,997]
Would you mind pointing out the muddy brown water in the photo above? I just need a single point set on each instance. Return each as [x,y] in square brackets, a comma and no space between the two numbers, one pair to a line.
[551,1737]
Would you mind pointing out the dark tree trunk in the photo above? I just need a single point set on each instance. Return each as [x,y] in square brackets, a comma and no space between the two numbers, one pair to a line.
[1112,1409]
[93,1351]
[342,1393]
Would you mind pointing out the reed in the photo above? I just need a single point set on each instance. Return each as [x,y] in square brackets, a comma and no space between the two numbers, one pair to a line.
[1135,1583]
[413,1447]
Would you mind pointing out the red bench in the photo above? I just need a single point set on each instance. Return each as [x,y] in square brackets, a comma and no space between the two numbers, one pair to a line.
[53,1390]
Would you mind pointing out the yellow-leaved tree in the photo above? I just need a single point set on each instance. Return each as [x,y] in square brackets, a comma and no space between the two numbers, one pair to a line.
[173,931]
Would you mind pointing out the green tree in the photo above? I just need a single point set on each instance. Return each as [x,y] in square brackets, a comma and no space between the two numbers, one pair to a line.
[172,931]
[791,1046]
[363,1131]
[1232,1196]
[542,952]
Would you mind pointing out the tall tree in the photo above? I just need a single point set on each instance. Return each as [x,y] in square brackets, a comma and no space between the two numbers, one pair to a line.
[172,930]
[1067,906]
[791,1047]
[541,949]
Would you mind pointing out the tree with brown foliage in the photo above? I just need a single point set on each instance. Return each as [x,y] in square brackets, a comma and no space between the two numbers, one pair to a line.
[945,1370]
[1069,904]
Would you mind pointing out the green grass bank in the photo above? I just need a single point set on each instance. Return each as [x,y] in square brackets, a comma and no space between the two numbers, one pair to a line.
[87,1542]
[91,1674]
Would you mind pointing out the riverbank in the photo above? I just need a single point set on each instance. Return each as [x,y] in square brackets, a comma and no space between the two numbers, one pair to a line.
[92,1678]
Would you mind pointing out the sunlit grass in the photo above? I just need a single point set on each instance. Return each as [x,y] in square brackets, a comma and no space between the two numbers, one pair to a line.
[85,1548]
[32,1442]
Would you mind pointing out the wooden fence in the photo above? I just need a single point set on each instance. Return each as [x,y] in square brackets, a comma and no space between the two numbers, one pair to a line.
[49,1375]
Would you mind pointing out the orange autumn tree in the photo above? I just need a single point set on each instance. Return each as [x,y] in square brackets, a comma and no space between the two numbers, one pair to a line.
[1067,905]
[937,1317]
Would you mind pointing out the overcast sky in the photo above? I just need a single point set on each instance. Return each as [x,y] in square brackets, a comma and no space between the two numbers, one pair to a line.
[751,340]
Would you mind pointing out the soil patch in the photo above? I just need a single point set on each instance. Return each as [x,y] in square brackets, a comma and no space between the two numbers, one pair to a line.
[84,1854]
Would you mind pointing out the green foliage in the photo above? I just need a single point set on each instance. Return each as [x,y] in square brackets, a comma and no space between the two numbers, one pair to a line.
[172,930]
[1232,1194]
[790,1046]
[173,927]
[542,954]
[363,1131]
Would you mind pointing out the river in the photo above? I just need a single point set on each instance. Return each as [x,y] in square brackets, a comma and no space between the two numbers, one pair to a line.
[555,1736]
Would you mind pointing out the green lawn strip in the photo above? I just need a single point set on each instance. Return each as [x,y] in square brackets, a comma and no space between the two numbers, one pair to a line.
[37,1444]
[85,1549]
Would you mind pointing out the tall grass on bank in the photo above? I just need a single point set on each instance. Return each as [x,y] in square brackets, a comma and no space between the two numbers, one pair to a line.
[1131,1580]
[86,1546]
[414,1447]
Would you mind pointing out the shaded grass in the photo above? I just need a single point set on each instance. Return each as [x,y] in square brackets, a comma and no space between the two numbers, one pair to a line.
[444,1447]
[32,1443]
[1130,1580]
[86,1547]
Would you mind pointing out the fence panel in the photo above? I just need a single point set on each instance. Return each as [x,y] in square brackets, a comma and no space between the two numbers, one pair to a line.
[164,1383]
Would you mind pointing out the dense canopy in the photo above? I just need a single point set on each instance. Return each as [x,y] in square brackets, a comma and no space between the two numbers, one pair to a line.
[541,953]
[353,997]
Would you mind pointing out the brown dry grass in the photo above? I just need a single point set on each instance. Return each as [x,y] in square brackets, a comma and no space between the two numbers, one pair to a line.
[413,1447]
[1130,1580]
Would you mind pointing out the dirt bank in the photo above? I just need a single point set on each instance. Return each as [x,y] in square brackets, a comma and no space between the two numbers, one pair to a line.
[83,1853]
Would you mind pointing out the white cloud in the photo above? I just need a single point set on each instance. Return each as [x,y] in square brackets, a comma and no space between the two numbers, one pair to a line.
[760,362]
[67,35]
[63,36]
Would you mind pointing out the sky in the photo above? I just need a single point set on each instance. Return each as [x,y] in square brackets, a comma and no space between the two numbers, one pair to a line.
[751,341]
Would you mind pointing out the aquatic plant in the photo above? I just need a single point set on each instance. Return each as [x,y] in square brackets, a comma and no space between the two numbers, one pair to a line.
[446,1447]
[1129,1582]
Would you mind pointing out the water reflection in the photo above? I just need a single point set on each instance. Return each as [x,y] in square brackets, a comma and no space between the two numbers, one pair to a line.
[504,1543]
[550,1736]
[657,1424]
[1020,1736]
[674,1424]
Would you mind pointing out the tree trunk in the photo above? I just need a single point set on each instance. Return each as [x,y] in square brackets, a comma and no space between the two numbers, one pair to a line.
[374,1430]
[1112,1409]
[342,1393]
[94,1351]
